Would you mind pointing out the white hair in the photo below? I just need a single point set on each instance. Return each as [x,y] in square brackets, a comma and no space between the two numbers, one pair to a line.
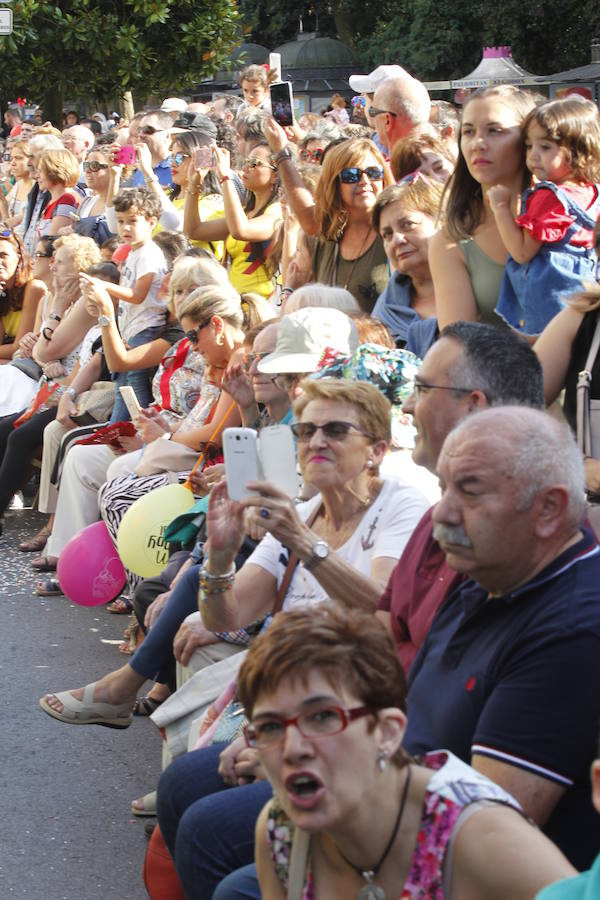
[40,142]
[321,295]
[540,452]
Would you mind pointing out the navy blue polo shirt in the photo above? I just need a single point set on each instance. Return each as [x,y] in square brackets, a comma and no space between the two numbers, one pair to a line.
[517,678]
[162,172]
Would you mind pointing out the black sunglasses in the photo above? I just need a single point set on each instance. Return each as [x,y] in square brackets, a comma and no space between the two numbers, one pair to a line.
[375,111]
[334,431]
[353,174]
[192,335]
[94,166]
[149,129]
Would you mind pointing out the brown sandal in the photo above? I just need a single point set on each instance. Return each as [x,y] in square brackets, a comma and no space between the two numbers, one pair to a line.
[36,543]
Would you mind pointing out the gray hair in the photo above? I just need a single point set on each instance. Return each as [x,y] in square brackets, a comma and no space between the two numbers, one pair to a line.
[40,142]
[406,96]
[321,295]
[498,362]
[325,132]
[540,452]
[250,121]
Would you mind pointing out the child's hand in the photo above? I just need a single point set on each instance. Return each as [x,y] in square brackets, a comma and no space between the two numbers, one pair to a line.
[499,197]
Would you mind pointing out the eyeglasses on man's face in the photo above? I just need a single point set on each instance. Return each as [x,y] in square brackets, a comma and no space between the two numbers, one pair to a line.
[375,111]
[150,129]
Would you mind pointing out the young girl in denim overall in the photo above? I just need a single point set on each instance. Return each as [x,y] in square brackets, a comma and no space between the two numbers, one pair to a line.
[550,245]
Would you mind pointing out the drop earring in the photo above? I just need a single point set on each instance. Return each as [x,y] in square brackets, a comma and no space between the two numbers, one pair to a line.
[382,760]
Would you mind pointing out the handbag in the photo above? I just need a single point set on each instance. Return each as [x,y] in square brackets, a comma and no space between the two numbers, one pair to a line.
[95,405]
[588,424]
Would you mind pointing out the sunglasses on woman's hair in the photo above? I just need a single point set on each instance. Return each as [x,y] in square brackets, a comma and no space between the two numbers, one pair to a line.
[178,158]
[353,174]
[94,166]
[192,335]
[252,162]
[334,431]
[315,156]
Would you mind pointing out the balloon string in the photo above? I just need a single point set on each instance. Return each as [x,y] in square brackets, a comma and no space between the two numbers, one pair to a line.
[202,456]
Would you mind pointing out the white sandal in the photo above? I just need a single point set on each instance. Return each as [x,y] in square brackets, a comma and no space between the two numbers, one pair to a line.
[88,711]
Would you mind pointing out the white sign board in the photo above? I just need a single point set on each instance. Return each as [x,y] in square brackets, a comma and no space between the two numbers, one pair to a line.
[6,21]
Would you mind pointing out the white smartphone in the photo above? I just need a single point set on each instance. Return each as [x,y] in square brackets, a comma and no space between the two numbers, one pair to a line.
[275,64]
[130,400]
[242,462]
[278,458]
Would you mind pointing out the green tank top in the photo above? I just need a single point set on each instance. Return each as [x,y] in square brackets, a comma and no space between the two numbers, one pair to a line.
[486,277]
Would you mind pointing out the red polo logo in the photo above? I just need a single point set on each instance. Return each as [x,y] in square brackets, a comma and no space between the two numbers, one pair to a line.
[470,684]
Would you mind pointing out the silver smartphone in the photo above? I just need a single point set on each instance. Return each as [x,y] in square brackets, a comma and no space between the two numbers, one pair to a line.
[242,462]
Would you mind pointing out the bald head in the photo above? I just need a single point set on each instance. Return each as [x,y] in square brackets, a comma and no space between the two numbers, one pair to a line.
[79,140]
[409,101]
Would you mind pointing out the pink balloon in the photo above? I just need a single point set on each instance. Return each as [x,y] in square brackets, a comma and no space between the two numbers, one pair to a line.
[89,570]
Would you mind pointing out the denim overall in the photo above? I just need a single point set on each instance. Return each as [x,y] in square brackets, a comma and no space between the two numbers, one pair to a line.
[533,293]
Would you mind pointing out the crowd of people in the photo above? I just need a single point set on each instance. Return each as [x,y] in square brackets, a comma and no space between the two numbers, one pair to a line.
[383,682]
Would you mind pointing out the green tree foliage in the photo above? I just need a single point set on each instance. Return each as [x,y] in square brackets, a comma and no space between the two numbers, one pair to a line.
[106,47]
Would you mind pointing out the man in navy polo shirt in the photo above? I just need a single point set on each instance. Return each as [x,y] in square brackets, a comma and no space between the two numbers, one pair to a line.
[508,675]
[155,131]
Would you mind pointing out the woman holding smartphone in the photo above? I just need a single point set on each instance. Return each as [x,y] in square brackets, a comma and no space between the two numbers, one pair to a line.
[248,229]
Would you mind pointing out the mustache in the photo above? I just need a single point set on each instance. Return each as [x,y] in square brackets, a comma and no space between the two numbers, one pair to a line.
[451,534]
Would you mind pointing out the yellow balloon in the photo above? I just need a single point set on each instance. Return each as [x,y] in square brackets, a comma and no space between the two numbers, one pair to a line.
[140,537]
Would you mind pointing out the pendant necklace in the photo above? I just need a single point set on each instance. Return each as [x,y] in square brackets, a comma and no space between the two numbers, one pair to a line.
[372,891]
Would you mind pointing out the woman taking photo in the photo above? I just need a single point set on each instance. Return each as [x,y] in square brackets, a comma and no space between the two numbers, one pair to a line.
[92,210]
[350,253]
[248,230]
[405,215]
[467,257]
[13,206]
[353,815]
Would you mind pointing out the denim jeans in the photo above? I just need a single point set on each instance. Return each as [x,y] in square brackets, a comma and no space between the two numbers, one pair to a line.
[154,657]
[207,826]
[140,379]
[240,885]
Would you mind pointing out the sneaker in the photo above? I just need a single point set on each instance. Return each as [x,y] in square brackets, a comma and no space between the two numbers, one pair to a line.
[17,502]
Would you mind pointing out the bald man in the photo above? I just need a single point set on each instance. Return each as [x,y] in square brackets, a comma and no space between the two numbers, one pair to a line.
[401,107]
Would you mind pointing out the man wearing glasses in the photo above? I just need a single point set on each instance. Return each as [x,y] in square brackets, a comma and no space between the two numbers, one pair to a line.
[400,108]
[155,131]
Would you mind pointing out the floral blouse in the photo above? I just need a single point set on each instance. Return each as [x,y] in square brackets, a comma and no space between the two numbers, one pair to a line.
[453,786]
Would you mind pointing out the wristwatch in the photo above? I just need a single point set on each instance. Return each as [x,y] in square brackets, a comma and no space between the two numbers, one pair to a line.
[104,321]
[320,551]
[283,154]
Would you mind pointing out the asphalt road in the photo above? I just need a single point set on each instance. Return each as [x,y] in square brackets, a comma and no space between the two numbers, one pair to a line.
[65,791]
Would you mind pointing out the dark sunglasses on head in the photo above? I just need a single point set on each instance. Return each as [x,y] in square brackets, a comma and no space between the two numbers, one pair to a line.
[315,156]
[192,335]
[353,174]
[94,166]
[334,431]
[150,129]
[178,158]
[38,255]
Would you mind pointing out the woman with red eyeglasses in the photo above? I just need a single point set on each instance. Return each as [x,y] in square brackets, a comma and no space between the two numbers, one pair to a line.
[350,253]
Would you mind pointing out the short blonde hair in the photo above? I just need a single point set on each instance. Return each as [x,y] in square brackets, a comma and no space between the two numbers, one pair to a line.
[60,167]
[84,251]
[374,410]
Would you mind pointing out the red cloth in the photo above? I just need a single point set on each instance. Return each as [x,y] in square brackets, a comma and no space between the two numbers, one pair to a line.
[546,219]
[419,583]
[159,873]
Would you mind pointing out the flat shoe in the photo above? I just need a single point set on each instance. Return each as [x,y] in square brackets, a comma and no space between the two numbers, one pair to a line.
[147,807]
[88,712]
[145,706]
[48,587]
[120,607]
[44,563]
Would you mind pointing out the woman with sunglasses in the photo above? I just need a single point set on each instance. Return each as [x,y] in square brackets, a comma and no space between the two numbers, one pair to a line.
[352,814]
[92,209]
[467,257]
[13,206]
[350,253]
[248,230]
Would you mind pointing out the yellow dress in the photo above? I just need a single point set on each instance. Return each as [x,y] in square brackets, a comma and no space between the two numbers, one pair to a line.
[10,324]
[247,271]
[209,207]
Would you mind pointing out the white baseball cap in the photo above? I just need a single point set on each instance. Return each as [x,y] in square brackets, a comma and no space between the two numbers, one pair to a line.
[174,104]
[368,84]
[304,335]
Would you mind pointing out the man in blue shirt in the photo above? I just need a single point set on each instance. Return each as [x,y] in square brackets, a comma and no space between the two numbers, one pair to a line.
[155,131]
[508,675]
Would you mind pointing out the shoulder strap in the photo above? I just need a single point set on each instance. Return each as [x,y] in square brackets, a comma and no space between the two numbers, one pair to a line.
[298,860]
[584,428]
[291,568]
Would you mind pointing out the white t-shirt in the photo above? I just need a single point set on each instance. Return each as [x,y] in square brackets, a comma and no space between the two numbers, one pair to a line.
[134,318]
[384,530]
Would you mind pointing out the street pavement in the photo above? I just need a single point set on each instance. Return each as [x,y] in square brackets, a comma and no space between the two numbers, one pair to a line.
[65,791]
